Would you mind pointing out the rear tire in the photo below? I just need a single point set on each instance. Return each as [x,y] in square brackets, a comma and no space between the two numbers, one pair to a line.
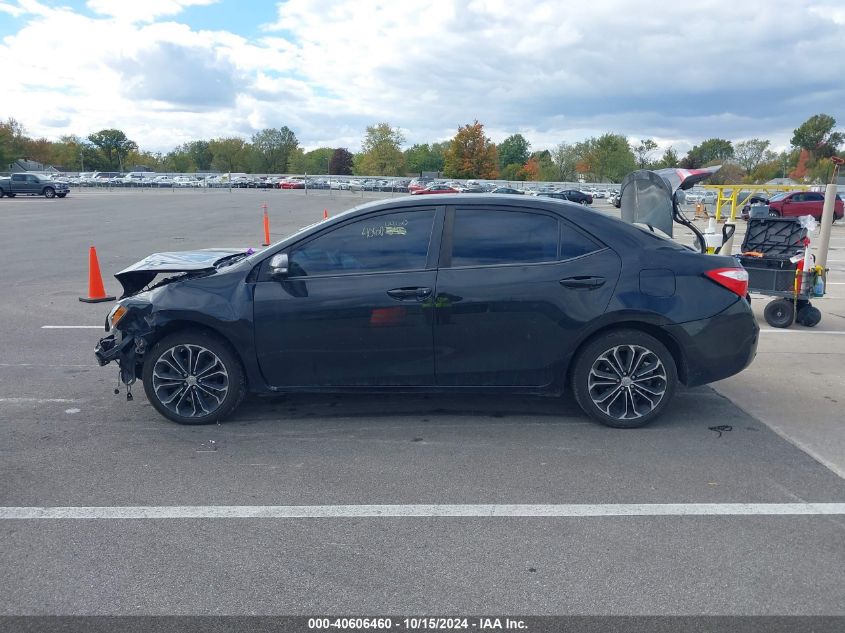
[193,377]
[779,313]
[624,379]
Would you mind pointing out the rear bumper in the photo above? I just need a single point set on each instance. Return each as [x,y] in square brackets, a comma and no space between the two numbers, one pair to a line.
[718,347]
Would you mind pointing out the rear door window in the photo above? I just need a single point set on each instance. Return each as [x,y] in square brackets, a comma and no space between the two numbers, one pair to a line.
[489,237]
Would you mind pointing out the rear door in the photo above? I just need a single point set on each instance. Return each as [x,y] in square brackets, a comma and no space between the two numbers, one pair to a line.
[19,183]
[516,286]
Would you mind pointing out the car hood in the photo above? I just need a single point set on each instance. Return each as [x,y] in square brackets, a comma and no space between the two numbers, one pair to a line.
[138,275]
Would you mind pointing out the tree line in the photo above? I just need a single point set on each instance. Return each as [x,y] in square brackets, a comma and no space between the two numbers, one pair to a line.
[469,154]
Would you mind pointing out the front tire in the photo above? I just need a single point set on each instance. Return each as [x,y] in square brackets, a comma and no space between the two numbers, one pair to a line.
[49,192]
[61,195]
[584,203]
[624,379]
[193,377]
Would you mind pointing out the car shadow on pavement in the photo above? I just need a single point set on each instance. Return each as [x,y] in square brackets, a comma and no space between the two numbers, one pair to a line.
[557,409]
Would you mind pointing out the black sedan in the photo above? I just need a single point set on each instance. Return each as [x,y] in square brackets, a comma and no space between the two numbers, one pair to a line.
[442,293]
[577,196]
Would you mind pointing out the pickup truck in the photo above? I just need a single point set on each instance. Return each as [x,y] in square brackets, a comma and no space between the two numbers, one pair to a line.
[33,185]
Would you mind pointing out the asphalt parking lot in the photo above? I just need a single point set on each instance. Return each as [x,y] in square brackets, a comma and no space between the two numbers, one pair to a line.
[67,441]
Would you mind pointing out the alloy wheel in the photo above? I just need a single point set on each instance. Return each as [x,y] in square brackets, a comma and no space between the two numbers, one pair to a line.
[627,382]
[190,380]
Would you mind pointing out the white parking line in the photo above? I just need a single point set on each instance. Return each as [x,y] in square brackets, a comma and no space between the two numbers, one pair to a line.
[786,331]
[36,400]
[72,327]
[399,511]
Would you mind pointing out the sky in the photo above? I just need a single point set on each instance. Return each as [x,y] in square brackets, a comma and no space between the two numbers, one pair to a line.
[172,71]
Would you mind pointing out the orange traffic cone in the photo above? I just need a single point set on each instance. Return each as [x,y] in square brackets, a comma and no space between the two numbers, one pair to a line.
[266,226]
[325,214]
[96,291]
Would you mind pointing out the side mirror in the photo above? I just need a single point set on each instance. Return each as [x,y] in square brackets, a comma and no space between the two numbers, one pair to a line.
[279,265]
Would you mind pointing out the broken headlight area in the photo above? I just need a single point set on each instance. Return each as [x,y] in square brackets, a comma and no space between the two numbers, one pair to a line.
[125,344]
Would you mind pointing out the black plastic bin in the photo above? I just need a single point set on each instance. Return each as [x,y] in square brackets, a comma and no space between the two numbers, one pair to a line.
[779,240]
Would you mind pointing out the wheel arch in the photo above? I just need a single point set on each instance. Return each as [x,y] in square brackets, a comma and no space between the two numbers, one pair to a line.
[647,328]
[180,325]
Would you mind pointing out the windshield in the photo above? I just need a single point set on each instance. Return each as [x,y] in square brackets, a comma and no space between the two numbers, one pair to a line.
[779,196]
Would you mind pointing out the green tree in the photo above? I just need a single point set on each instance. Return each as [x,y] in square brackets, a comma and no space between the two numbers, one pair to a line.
[565,157]
[340,163]
[713,149]
[643,152]
[729,174]
[750,153]
[816,135]
[38,149]
[314,162]
[669,159]
[154,161]
[765,171]
[424,158]
[200,153]
[546,170]
[381,153]
[512,172]
[273,148]
[67,152]
[229,154]
[513,150]
[114,146]
[179,160]
[608,158]
[12,139]
[471,154]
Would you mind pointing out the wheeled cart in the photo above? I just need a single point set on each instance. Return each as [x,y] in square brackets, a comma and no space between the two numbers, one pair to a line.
[775,270]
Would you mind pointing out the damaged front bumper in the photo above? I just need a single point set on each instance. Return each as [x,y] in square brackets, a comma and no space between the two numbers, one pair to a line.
[125,349]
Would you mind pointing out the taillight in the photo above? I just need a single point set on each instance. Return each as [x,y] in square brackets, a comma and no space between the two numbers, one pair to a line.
[734,279]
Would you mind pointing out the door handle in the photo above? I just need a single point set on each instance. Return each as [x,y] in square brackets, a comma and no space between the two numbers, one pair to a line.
[584,283]
[403,294]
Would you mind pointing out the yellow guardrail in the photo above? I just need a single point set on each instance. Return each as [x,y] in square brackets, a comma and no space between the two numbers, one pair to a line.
[730,194]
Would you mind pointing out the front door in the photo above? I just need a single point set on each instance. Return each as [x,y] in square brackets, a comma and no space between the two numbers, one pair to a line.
[516,288]
[356,308]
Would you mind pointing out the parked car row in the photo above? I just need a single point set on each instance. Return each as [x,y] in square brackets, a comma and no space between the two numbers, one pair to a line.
[341,183]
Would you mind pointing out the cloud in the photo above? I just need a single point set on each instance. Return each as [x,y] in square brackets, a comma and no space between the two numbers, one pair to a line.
[146,11]
[179,76]
[327,68]
[11,9]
